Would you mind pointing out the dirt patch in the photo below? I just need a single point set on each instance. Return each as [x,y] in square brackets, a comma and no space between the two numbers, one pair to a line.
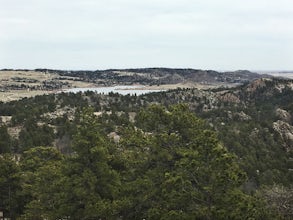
[15,85]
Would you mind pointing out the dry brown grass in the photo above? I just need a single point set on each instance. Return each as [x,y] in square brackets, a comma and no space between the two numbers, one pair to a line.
[31,78]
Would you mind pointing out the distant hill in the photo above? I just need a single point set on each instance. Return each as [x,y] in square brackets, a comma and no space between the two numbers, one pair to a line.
[159,76]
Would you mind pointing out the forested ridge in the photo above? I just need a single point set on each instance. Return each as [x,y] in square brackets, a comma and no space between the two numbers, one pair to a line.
[179,154]
[151,76]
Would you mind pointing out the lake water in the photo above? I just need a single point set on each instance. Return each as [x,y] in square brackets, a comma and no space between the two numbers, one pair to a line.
[123,90]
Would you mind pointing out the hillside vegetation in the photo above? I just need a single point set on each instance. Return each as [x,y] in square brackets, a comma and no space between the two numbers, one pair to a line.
[181,154]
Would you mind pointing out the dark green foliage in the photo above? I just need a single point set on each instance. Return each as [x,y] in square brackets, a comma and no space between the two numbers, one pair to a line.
[176,169]
[187,173]
[85,185]
[40,168]
[5,140]
[33,135]
[9,185]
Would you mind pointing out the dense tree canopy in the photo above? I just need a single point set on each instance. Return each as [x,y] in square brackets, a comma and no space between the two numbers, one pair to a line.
[166,163]
[9,185]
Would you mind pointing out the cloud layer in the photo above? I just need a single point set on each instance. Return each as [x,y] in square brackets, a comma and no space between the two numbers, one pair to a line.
[100,34]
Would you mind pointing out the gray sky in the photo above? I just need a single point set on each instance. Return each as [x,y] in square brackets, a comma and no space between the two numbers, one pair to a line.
[102,34]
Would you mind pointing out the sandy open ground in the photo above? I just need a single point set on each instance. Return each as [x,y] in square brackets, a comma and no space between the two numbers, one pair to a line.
[19,94]
[31,78]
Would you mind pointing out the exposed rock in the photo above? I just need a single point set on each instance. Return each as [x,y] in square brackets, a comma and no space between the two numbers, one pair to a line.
[242,116]
[61,112]
[132,116]
[114,136]
[284,115]
[5,120]
[14,131]
[256,84]
[280,87]
[286,132]
[229,97]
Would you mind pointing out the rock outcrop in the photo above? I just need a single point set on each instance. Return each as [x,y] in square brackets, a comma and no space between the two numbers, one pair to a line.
[283,115]
[285,130]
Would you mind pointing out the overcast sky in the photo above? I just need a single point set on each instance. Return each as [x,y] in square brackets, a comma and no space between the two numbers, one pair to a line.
[102,34]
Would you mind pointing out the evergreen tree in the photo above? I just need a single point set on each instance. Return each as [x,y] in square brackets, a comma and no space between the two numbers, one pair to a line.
[90,184]
[41,174]
[188,173]
[5,140]
[9,186]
